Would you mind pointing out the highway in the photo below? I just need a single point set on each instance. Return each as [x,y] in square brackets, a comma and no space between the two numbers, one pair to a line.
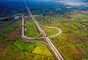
[28,39]
[51,45]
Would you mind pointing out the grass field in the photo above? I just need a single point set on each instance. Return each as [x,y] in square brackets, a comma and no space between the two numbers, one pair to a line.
[51,31]
[73,41]
[31,29]
[12,47]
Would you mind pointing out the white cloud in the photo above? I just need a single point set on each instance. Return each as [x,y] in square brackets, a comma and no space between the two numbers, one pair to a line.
[77,3]
[72,3]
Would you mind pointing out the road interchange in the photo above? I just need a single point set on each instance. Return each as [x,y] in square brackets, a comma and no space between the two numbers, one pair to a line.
[47,39]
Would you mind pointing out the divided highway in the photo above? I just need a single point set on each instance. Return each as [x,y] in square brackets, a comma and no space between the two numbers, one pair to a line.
[28,39]
[51,45]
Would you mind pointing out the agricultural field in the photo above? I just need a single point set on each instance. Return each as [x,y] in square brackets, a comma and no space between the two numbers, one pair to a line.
[12,47]
[31,29]
[43,29]
[73,41]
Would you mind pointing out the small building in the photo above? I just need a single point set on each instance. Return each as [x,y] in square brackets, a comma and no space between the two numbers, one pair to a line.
[16,17]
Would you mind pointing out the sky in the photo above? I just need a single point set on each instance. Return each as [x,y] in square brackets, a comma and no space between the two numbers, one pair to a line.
[71,0]
[68,2]
[63,0]
[48,0]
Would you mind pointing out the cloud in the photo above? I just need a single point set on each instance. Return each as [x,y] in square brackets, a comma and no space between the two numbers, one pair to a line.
[77,3]
[73,2]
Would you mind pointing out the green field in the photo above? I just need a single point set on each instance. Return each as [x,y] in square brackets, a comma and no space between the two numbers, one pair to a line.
[51,31]
[73,41]
[12,47]
[31,29]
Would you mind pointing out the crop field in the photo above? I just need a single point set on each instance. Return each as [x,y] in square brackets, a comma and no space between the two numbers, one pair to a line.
[12,47]
[43,29]
[31,29]
[73,41]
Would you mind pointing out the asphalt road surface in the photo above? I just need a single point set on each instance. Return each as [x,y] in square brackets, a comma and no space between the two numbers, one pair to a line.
[51,45]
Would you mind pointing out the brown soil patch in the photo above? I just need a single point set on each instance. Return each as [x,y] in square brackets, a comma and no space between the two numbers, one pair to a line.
[14,34]
[5,58]
[1,22]
[77,56]
[4,48]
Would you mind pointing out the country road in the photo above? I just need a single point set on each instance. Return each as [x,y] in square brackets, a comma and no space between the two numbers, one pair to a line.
[51,45]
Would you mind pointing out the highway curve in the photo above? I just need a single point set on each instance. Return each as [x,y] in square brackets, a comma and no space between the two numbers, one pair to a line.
[47,39]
